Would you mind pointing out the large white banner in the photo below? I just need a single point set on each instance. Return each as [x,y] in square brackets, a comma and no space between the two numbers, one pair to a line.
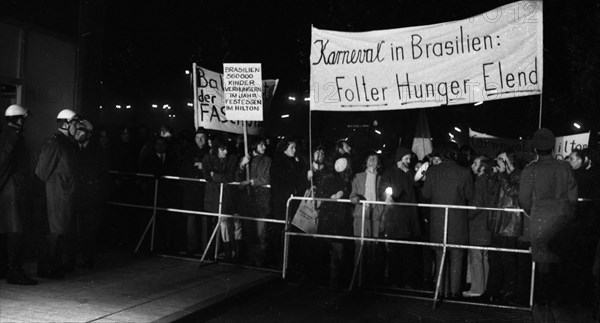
[210,105]
[495,55]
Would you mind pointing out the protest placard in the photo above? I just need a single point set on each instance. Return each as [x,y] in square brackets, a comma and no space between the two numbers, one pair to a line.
[243,92]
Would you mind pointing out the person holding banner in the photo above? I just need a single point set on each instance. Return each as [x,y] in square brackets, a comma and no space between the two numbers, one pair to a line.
[219,169]
[257,197]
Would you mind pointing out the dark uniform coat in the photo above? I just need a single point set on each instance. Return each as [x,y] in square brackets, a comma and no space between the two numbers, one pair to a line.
[449,183]
[92,174]
[56,169]
[14,172]
[548,194]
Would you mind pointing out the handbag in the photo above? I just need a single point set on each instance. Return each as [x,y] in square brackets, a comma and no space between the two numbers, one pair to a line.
[306,217]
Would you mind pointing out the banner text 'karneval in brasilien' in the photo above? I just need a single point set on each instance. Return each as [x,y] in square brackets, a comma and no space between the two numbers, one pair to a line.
[495,55]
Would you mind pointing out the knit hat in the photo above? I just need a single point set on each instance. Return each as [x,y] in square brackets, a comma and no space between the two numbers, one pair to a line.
[543,139]
[201,130]
[401,152]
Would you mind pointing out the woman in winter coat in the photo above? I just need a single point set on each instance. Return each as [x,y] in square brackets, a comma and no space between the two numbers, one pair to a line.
[485,188]
[219,168]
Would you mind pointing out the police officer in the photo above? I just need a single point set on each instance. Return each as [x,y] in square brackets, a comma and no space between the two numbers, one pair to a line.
[14,175]
[56,170]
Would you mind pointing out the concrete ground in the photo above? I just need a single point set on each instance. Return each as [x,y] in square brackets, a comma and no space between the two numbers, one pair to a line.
[143,289]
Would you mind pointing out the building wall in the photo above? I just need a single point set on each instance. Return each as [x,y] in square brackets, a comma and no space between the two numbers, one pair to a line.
[43,66]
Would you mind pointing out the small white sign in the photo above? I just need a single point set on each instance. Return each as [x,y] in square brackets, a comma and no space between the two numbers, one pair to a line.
[243,91]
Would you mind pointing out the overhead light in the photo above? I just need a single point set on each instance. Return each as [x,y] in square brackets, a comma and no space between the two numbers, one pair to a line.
[292,98]
[100,107]
[165,106]
[187,72]
[576,125]
[306,99]
[190,104]
[379,151]
[155,106]
[118,106]
[457,129]
[478,103]
[451,135]
[169,107]
[128,107]
[378,132]
[285,116]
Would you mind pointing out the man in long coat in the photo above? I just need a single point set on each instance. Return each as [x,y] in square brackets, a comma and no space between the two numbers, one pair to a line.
[548,193]
[450,184]
[56,170]
[14,175]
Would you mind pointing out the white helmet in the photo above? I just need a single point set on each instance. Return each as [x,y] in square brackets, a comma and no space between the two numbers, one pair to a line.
[15,111]
[66,114]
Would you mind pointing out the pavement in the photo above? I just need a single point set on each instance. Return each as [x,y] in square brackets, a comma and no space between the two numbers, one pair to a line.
[166,289]
[144,289]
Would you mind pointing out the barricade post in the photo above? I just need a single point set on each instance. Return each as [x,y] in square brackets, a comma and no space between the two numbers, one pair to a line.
[444,245]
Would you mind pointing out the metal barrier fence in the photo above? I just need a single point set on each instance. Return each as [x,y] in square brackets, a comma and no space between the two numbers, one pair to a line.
[444,245]
[151,225]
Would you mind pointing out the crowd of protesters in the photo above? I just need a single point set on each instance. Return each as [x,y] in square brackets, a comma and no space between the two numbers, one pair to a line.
[70,177]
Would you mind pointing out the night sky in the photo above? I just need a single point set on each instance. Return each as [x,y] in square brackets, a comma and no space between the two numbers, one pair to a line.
[146,47]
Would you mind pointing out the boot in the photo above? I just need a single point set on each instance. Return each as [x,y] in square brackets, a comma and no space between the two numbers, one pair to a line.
[16,276]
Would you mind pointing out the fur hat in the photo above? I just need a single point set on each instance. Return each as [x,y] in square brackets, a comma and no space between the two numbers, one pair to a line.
[543,139]
[401,152]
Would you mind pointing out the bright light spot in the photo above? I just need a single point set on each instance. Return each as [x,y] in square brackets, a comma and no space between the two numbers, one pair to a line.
[478,103]
[165,106]
[169,107]
[118,106]
[378,132]
[173,116]
[285,116]
[190,104]
[155,106]
[520,138]
[100,107]
[306,99]
[389,191]
[457,129]
[292,98]
[128,107]
[577,125]
[187,72]
[379,151]
[451,135]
